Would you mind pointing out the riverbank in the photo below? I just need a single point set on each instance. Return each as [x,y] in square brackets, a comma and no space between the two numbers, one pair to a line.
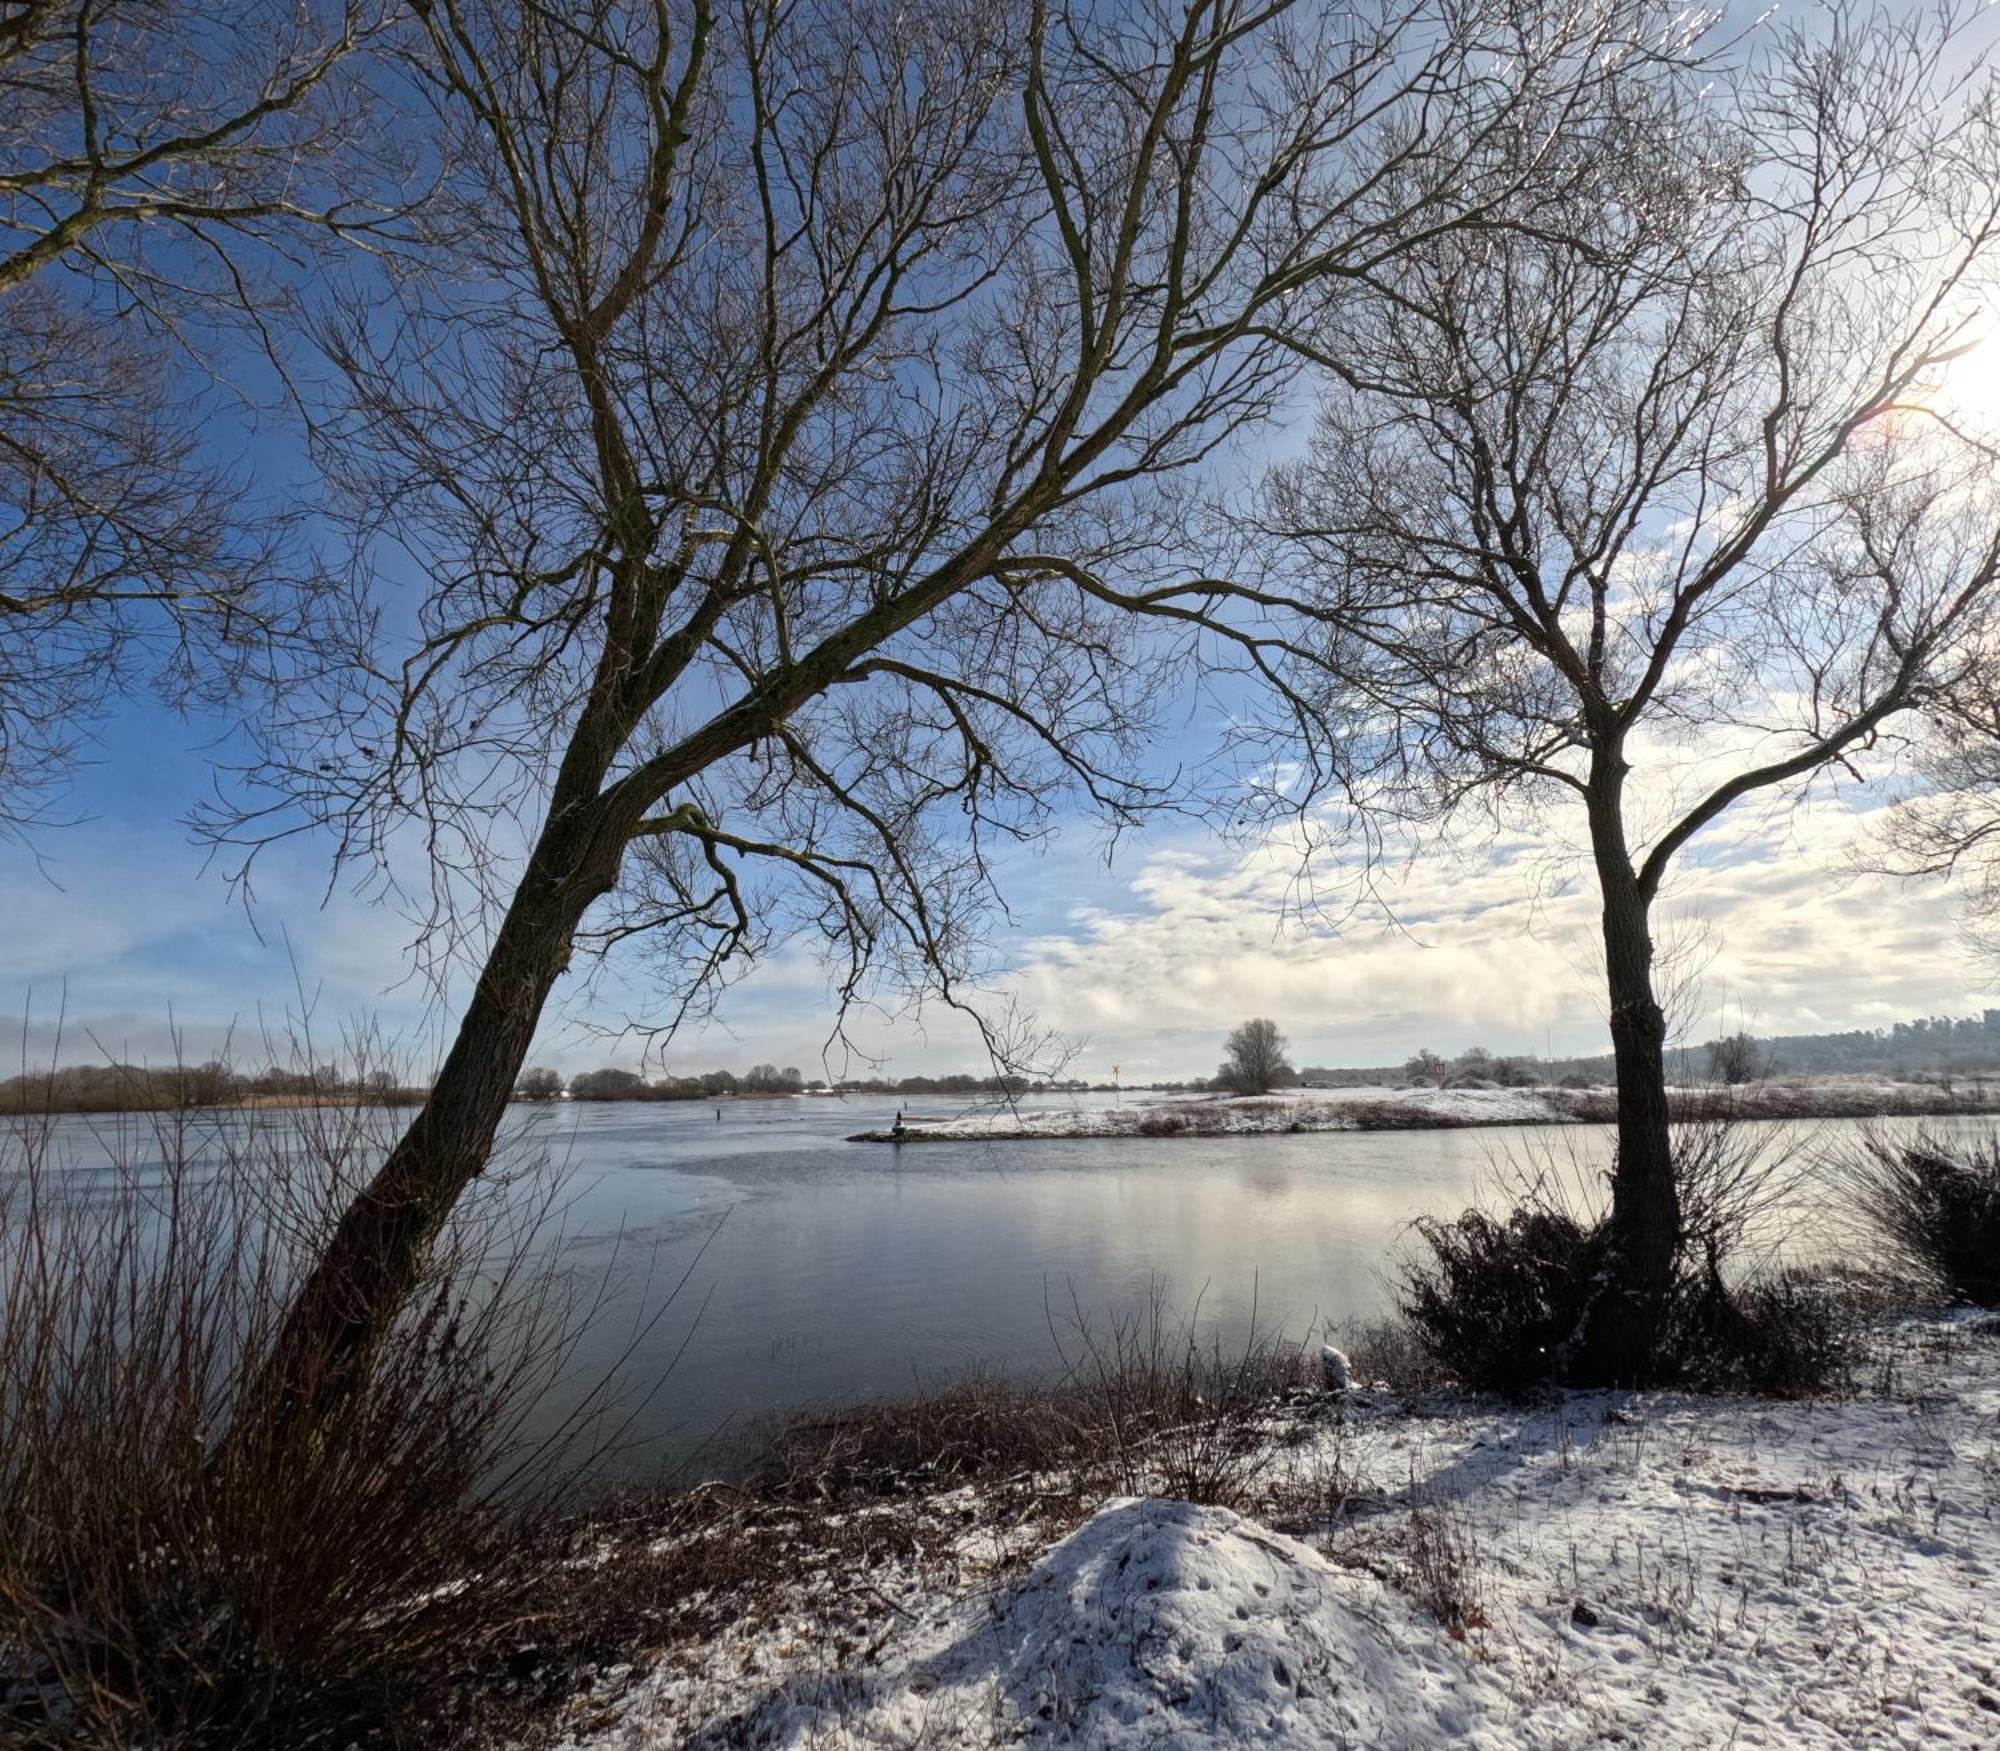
[1383,1569]
[1416,1109]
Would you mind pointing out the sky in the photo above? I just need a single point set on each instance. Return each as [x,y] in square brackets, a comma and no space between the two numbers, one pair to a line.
[119,938]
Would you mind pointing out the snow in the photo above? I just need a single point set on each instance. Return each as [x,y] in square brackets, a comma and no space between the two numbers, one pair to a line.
[1329,1109]
[1653,1568]
[1361,1108]
[1154,1624]
[1160,1623]
[1680,1571]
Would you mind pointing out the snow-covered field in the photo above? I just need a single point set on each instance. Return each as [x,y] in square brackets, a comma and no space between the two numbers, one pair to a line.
[1647,1569]
[1350,1109]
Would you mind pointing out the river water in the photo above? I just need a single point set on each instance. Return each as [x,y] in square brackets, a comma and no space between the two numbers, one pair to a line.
[807,1271]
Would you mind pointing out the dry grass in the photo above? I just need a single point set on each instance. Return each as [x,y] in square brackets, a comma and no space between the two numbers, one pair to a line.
[977,1428]
[1143,1403]
[400,1581]
[1441,1561]
[1931,1207]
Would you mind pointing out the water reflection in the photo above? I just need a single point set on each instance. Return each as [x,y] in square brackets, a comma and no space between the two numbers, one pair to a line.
[818,1271]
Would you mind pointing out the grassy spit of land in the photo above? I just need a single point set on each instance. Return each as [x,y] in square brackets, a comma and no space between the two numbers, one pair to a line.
[1407,1109]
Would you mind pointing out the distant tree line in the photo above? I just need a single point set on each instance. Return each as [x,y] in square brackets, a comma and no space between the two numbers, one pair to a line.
[1966,1043]
[1926,1045]
[613,1084]
[765,1079]
[960,1083]
[132,1088]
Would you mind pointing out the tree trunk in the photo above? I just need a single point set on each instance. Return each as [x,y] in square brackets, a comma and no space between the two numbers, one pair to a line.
[1621,1328]
[349,1301]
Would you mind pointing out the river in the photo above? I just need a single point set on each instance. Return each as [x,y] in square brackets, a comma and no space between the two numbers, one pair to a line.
[813,1271]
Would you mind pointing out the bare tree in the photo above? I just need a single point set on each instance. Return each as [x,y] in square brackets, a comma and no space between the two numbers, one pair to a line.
[539,1084]
[1734,1059]
[1642,513]
[1426,1066]
[158,165]
[1947,823]
[788,385]
[1253,1058]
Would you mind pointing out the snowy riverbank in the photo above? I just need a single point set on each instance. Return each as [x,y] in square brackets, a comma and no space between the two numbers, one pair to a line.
[1394,1109]
[1650,1569]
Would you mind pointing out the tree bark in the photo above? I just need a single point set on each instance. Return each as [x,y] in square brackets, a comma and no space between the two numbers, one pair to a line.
[1620,1333]
[349,1301]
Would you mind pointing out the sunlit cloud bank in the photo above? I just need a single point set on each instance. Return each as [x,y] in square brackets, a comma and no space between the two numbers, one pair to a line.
[1146,964]
[1495,945]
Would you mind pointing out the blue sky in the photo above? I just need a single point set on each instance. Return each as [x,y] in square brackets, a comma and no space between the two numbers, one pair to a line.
[115,926]
[119,933]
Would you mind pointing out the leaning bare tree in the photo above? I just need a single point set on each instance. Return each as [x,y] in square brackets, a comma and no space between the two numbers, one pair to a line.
[1644,512]
[783,377]
[158,166]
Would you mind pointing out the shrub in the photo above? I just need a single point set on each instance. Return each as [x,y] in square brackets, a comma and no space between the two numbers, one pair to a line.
[160,1587]
[1781,1334]
[1933,1204]
[974,1427]
[1166,1410]
[1495,1301]
[1388,1352]
[1498,1299]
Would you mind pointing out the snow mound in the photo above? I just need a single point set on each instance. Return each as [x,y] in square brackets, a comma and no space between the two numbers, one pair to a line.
[1160,1623]
[1155,1624]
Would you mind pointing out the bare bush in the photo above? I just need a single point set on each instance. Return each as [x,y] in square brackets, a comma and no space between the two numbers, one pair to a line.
[1497,1301]
[1932,1204]
[1388,1352]
[158,1588]
[1441,1561]
[1499,1297]
[1173,1414]
[1783,1334]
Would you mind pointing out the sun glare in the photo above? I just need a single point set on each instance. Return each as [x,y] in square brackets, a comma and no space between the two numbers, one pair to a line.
[1966,388]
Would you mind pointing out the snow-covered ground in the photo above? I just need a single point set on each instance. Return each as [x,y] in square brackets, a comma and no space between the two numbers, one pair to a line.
[1349,1109]
[1654,1570]
[1321,1109]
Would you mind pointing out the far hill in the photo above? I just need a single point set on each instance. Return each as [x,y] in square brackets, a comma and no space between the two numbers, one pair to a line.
[1966,1045]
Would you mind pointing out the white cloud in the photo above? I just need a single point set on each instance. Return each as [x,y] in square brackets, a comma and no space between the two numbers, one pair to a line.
[1495,946]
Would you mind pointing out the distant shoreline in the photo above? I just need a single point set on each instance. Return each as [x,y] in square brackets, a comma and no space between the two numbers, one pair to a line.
[1291,1113]
[139,1104]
